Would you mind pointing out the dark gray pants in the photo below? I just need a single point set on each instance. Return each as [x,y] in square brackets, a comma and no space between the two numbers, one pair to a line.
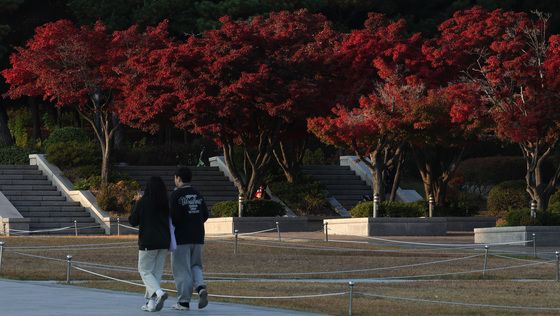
[186,263]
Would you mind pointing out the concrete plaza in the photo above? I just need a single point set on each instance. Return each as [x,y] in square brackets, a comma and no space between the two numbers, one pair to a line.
[30,298]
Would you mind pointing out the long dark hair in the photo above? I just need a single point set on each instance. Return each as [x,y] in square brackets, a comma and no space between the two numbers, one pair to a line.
[155,195]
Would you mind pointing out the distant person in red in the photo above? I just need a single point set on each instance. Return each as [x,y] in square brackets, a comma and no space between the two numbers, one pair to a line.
[151,214]
[188,214]
[260,193]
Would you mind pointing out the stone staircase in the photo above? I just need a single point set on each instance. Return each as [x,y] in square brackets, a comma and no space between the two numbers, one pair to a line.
[341,183]
[34,196]
[209,181]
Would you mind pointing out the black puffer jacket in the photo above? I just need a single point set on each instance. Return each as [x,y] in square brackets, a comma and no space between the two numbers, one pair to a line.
[154,225]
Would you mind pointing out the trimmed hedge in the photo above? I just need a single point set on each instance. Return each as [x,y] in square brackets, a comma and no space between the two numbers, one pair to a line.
[391,209]
[13,155]
[73,154]
[251,208]
[305,197]
[118,198]
[507,196]
[65,135]
[522,217]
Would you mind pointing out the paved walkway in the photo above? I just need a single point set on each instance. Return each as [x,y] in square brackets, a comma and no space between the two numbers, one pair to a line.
[28,298]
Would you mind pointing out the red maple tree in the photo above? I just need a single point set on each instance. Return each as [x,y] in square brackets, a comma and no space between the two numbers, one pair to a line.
[375,62]
[512,63]
[252,82]
[89,69]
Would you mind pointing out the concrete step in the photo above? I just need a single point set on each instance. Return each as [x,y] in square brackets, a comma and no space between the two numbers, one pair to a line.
[37,197]
[324,167]
[30,193]
[329,172]
[63,220]
[18,167]
[71,214]
[66,208]
[24,182]
[23,203]
[20,172]
[335,181]
[165,168]
[22,177]
[13,187]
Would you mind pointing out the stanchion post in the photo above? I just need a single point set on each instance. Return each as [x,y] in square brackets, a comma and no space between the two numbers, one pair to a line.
[534,246]
[68,268]
[326,231]
[118,226]
[431,205]
[533,210]
[557,266]
[485,261]
[236,236]
[240,205]
[375,205]
[76,227]
[351,285]
[1,253]
[278,230]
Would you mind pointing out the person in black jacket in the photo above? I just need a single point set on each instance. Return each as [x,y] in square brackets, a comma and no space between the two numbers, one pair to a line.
[151,213]
[188,213]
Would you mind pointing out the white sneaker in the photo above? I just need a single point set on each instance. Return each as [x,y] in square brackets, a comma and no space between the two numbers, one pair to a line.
[159,301]
[203,298]
[180,307]
[150,306]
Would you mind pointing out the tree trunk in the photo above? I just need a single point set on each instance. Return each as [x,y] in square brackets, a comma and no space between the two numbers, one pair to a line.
[35,118]
[76,119]
[59,117]
[539,190]
[397,176]
[118,141]
[289,157]
[6,138]
[436,167]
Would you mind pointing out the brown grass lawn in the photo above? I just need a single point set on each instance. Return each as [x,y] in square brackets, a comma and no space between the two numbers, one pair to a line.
[274,261]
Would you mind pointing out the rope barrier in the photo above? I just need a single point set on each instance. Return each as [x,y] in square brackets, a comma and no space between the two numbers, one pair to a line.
[17,231]
[216,295]
[534,308]
[75,245]
[350,271]
[129,227]
[465,272]
[448,245]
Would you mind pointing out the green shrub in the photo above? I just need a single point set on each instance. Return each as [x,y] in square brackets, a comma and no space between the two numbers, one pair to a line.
[251,208]
[17,126]
[519,217]
[314,157]
[73,154]
[506,196]
[65,135]
[118,198]
[554,203]
[391,209]
[305,196]
[82,172]
[13,155]
[89,183]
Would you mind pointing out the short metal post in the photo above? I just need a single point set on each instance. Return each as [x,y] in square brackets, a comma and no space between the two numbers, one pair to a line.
[278,230]
[1,253]
[485,261]
[6,233]
[75,227]
[557,266]
[533,210]
[236,236]
[326,225]
[375,204]
[118,226]
[534,246]
[351,285]
[431,205]
[68,268]
[240,205]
